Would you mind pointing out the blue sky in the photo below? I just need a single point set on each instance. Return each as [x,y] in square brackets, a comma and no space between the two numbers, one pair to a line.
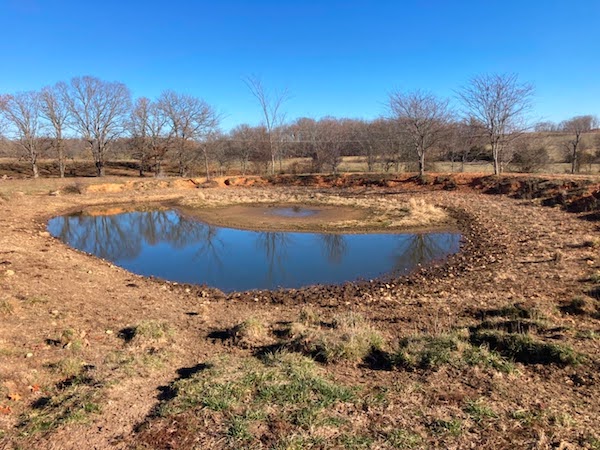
[339,58]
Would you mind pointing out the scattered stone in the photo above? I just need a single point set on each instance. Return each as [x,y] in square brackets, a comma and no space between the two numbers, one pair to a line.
[29,355]
[9,273]
[109,331]
[44,234]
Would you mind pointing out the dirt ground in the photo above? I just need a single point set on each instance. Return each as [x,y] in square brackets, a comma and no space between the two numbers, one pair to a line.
[65,318]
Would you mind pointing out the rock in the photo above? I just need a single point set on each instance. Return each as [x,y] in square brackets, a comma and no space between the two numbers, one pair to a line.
[44,234]
[9,273]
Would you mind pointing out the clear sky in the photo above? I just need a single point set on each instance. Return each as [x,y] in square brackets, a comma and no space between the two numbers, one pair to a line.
[338,58]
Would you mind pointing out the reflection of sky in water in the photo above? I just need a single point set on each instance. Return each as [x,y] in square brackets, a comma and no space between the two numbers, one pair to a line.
[169,246]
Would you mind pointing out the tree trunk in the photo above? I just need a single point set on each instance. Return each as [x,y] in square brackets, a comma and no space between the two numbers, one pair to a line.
[206,164]
[61,158]
[34,169]
[422,164]
[100,172]
[495,155]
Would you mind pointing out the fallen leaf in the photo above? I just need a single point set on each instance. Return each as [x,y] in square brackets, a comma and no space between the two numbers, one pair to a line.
[14,397]
[5,409]
[34,388]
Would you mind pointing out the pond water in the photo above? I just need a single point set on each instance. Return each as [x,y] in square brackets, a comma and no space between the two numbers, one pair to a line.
[171,246]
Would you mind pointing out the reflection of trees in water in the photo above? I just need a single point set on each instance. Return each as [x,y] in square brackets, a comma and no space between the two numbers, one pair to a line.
[422,248]
[334,247]
[123,236]
[275,245]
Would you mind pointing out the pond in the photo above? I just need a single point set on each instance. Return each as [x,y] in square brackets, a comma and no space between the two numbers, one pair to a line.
[169,245]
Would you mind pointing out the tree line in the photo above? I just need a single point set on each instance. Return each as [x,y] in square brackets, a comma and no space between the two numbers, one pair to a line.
[98,117]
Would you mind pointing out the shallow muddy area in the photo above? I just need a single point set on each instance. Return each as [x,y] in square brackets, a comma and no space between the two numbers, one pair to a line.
[170,245]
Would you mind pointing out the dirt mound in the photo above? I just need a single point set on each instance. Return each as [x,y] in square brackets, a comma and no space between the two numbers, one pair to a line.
[575,195]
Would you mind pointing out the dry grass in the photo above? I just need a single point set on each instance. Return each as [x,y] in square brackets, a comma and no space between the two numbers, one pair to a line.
[380,212]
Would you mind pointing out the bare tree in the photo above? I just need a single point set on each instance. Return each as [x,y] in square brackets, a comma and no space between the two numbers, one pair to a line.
[54,109]
[466,142]
[250,144]
[139,127]
[500,103]
[270,104]
[423,117]
[98,112]
[22,111]
[577,126]
[191,119]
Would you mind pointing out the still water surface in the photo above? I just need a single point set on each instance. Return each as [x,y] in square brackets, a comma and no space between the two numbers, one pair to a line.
[168,245]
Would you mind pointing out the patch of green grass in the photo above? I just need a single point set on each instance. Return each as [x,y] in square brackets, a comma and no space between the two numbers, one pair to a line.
[404,439]
[35,300]
[593,442]
[282,387]
[525,416]
[588,334]
[6,307]
[71,339]
[249,333]
[595,277]
[443,426]
[74,400]
[132,363]
[482,356]
[152,331]
[514,312]
[300,443]
[69,367]
[525,349]
[427,351]
[479,411]
[355,442]
[309,316]
[349,338]
[576,307]
[237,431]
[591,242]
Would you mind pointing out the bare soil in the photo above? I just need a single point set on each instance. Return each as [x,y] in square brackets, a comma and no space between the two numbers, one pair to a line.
[60,307]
